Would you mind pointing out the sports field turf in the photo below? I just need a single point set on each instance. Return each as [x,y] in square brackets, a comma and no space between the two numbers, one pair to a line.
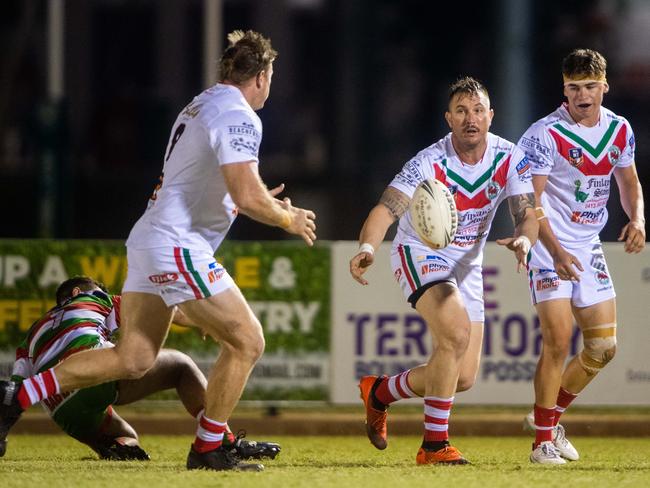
[57,461]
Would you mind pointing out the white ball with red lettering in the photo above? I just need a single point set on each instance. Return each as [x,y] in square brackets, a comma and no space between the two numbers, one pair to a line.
[433,214]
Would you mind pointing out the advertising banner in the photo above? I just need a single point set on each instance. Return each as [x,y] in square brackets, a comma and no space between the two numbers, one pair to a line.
[286,284]
[376,332]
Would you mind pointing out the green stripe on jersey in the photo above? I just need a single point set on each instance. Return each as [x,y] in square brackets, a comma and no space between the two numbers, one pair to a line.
[594,151]
[86,341]
[409,261]
[471,187]
[195,274]
[35,348]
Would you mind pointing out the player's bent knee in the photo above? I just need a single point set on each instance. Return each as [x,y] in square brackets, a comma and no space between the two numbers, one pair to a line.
[599,348]
[136,367]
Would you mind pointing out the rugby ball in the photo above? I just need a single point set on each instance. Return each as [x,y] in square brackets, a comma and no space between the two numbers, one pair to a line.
[433,214]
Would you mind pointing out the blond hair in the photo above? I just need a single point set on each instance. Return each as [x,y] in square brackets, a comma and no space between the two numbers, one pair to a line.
[247,55]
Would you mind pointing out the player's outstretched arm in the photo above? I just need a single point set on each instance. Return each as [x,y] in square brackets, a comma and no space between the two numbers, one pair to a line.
[257,202]
[522,209]
[633,233]
[392,205]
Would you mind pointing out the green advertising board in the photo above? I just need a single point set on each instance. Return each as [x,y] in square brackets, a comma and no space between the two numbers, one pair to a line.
[286,283]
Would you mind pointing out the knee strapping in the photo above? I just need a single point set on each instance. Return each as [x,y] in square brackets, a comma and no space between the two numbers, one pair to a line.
[599,347]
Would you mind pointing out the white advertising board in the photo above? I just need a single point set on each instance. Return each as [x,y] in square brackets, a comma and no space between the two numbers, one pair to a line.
[374,331]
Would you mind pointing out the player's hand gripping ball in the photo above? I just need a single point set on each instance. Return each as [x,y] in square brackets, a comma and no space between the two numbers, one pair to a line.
[433,214]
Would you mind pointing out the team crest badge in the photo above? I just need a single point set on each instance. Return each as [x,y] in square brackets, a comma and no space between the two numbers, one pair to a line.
[602,277]
[575,157]
[614,154]
[492,190]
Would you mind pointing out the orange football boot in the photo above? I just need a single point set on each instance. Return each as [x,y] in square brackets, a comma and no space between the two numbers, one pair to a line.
[375,419]
[446,455]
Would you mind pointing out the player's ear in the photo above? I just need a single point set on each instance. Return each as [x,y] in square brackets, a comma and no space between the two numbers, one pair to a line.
[606,87]
[448,118]
[75,291]
[259,79]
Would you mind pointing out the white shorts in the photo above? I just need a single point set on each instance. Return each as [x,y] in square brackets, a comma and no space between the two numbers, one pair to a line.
[175,273]
[595,283]
[416,268]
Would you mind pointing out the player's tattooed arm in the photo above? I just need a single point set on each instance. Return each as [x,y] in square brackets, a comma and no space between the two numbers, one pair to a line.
[395,201]
[518,205]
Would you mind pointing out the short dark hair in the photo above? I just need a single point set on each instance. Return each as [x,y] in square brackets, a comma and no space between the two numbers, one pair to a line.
[468,86]
[584,62]
[84,283]
[248,54]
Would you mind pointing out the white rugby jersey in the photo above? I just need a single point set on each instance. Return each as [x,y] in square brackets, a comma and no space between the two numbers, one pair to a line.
[191,207]
[478,189]
[579,162]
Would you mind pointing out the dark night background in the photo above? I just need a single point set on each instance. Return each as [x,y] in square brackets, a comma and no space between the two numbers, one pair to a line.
[359,87]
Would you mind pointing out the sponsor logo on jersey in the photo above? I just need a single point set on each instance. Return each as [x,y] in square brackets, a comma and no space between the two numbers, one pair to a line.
[215,275]
[492,190]
[580,195]
[523,166]
[245,129]
[240,144]
[614,154]
[433,268]
[192,110]
[547,283]
[534,144]
[432,264]
[244,138]
[544,270]
[410,174]
[631,142]
[602,277]
[161,279]
[587,216]
[575,157]
[599,185]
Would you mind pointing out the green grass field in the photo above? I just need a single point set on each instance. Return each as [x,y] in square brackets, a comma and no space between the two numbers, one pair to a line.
[57,461]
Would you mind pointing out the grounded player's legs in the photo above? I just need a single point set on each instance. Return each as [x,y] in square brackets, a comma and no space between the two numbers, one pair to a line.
[598,325]
[172,369]
[443,310]
[229,320]
[556,322]
[145,322]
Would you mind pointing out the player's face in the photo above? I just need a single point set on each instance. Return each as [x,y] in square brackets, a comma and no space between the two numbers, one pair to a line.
[585,99]
[469,118]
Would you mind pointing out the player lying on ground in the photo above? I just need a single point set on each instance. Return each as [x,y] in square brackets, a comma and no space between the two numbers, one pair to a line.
[445,286]
[87,317]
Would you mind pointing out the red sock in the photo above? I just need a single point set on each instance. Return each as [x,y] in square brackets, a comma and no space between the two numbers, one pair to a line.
[394,388]
[436,418]
[37,388]
[564,399]
[543,424]
[209,434]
